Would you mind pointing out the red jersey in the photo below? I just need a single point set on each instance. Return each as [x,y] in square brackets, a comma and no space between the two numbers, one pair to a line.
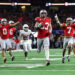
[73,26]
[4,31]
[68,30]
[11,32]
[44,30]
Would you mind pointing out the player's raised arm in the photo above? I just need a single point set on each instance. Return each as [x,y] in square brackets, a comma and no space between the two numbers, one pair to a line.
[20,20]
[57,20]
[50,28]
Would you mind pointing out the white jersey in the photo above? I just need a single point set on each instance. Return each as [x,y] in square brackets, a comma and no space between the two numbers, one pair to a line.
[25,35]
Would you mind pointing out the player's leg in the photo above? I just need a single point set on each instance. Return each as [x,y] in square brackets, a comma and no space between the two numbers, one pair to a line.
[74,49]
[64,49]
[39,45]
[3,46]
[70,42]
[9,46]
[69,51]
[74,46]
[46,48]
[29,45]
[0,43]
[25,49]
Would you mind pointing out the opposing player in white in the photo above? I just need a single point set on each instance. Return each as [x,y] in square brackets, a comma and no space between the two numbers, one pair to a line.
[24,34]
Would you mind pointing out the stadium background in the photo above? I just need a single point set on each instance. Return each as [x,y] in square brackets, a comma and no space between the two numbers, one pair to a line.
[29,13]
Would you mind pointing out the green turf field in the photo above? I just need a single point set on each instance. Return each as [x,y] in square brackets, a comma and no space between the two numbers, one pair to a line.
[36,64]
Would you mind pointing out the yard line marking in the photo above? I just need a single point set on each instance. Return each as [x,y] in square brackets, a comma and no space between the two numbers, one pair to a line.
[41,70]
[53,59]
[23,65]
[37,59]
[32,65]
[49,55]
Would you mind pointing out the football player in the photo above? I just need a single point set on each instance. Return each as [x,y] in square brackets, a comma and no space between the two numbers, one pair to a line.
[11,33]
[73,23]
[68,39]
[24,34]
[4,30]
[44,29]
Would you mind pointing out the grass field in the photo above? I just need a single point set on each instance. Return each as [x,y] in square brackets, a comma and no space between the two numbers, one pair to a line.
[36,64]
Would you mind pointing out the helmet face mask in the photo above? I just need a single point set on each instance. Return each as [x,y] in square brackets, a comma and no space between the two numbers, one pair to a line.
[69,22]
[25,27]
[43,13]
[4,21]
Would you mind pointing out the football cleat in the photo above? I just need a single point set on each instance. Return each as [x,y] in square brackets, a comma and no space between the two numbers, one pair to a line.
[68,59]
[13,58]
[47,63]
[5,60]
[63,60]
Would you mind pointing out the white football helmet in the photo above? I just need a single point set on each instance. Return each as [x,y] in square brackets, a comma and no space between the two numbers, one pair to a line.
[11,22]
[4,21]
[69,20]
[73,21]
[43,12]
[25,27]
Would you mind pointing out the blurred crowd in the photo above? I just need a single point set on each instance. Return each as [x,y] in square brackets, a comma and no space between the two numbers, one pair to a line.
[31,12]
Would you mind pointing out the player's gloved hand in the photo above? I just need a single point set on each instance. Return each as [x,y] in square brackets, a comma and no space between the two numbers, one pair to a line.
[47,34]
[20,19]
[40,25]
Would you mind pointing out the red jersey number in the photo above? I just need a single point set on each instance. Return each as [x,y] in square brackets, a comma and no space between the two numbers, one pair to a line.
[4,31]
[11,32]
[69,29]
